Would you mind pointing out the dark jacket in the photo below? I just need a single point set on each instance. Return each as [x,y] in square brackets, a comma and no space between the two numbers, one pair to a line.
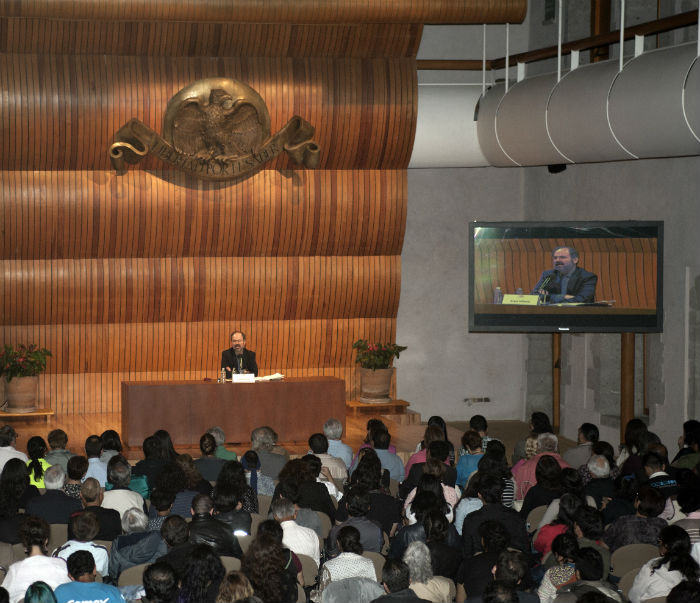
[416,472]
[228,358]
[237,521]
[409,534]
[133,549]
[206,529]
[54,506]
[109,520]
[511,520]
[178,556]
[151,468]
[401,596]
[581,285]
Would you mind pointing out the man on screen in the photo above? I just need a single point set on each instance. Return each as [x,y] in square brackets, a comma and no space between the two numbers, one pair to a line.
[237,359]
[566,282]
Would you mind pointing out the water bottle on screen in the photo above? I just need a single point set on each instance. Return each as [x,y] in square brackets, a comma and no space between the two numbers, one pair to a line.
[497,296]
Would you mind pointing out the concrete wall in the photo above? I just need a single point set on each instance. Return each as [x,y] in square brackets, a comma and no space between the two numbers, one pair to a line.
[444,364]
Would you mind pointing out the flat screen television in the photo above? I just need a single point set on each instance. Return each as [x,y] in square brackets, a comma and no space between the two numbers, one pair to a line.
[610,272]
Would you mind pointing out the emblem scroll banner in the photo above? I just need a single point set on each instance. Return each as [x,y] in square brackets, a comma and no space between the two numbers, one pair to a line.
[134,140]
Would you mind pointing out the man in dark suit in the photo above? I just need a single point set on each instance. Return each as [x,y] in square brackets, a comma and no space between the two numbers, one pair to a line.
[110,522]
[237,359]
[566,282]
[54,506]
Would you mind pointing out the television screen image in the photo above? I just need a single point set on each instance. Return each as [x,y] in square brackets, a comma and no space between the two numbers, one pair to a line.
[565,276]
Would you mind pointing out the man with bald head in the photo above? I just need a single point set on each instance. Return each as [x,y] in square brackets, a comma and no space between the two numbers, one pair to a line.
[110,521]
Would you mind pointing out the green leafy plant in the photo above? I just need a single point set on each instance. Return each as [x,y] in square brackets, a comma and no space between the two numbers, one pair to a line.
[376,355]
[23,361]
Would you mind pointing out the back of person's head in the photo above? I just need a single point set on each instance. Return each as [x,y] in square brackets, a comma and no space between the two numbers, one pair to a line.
[207,444]
[218,434]
[77,467]
[333,429]
[689,499]
[511,567]
[282,509]
[34,531]
[439,422]
[651,501]
[548,473]
[162,500]
[202,504]
[93,446]
[90,490]
[491,489]
[118,471]
[39,592]
[314,463]
[530,446]
[58,439]
[435,526]
[160,582]
[250,460]
[540,423]
[499,592]
[417,558]
[652,442]
[478,423]
[262,438]
[599,466]
[674,546]
[271,528]
[606,449]
[395,575]
[369,471]
[203,568]
[593,597]
[589,564]
[496,450]
[589,432]
[54,477]
[547,442]
[134,520]
[471,440]
[687,591]
[349,540]
[318,443]
[438,450]
[8,435]
[571,481]
[85,526]
[36,447]
[565,546]
[111,440]
[358,501]
[80,563]
[494,536]
[634,432]
[590,522]
[691,432]
[424,502]
[225,499]
[234,587]
[151,447]
[653,461]
[432,434]
[381,440]
[569,504]
[175,530]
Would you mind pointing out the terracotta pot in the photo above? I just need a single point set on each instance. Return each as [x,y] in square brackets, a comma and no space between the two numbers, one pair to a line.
[375,385]
[21,394]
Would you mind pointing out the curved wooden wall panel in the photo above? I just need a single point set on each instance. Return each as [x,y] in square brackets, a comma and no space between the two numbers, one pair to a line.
[274,11]
[62,111]
[140,215]
[626,268]
[191,39]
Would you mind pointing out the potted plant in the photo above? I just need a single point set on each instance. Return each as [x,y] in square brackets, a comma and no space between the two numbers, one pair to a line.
[21,366]
[375,369]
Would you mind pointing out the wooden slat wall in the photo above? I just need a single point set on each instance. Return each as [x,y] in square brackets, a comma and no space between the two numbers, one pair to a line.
[626,268]
[62,111]
[143,276]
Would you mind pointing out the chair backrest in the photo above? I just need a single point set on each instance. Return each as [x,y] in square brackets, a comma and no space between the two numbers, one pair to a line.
[58,537]
[132,575]
[325,524]
[244,542]
[534,517]
[394,487]
[309,569]
[627,580]
[264,503]
[378,560]
[301,594]
[630,556]
[256,520]
[231,564]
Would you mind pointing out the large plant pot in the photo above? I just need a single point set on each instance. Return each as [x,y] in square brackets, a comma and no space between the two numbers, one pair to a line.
[21,394]
[375,385]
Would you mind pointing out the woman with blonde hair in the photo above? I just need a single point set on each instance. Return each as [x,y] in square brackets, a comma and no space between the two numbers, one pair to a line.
[234,586]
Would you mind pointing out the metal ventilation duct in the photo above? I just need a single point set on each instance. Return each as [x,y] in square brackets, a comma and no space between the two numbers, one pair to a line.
[594,113]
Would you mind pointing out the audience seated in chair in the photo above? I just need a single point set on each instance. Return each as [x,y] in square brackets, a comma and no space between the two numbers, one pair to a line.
[110,522]
[85,527]
[54,506]
[83,585]
[136,545]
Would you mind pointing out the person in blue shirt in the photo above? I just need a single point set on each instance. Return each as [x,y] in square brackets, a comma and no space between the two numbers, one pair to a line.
[389,460]
[333,429]
[469,462]
[83,588]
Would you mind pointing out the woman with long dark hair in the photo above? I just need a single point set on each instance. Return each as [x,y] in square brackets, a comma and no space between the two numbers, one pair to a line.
[569,504]
[111,445]
[658,576]
[494,463]
[267,566]
[232,476]
[547,486]
[15,491]
[202,576]
[167,450]
[310,494]
[36,449]
[635,430]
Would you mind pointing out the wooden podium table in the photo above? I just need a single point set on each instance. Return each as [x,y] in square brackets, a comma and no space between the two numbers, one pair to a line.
[295,408]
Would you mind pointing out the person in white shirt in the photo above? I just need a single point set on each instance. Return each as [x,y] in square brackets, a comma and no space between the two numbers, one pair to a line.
[96,467]
[85,527]
[8,439]
[120,498]
[298,539]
